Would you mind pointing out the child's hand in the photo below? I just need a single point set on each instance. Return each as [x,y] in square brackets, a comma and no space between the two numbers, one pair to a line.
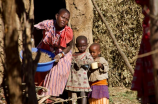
[86,67]
[76,67]
[100,65]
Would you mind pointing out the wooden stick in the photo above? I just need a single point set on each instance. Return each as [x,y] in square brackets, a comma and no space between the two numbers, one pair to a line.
[114,39]
[12,65]
[43,99]
[145,54]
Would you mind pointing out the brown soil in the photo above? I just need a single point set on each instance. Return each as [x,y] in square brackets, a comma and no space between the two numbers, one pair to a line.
[122,95]
[43,58]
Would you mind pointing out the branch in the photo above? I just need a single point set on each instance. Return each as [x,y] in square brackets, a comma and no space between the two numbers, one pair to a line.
[145,54]
[114,39]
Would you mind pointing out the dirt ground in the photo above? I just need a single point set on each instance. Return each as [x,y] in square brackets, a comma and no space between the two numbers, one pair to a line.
[118,95]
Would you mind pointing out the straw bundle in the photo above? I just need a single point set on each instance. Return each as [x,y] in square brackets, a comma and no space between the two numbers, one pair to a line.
[125,19]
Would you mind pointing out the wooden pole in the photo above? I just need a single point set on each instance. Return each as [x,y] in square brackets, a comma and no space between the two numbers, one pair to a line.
[154,41]
[13,12]
[12,70]
[29,65]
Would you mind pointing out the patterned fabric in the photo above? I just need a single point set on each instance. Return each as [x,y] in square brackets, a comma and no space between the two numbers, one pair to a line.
[78,79]
[143,80]
[55,79]
[99,101]
[99,91]
[53,37]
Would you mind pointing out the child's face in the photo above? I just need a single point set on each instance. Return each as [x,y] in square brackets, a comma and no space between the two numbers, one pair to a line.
[82,45]
[94,51]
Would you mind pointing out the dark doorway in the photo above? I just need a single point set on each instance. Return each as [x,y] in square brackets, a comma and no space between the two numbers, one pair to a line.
[43,10]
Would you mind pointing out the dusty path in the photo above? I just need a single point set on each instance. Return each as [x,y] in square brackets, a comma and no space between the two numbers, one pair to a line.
[120,95]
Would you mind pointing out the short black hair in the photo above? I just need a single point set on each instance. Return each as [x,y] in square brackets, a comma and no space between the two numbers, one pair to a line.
[63,9]
[97,45]
[81,37]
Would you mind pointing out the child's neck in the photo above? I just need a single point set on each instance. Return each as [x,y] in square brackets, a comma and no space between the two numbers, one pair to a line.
[96,58]
[79,52]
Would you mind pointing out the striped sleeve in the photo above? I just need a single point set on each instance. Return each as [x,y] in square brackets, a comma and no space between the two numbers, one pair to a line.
[46,24]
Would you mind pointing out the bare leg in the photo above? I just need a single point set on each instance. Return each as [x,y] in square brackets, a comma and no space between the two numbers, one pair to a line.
[72,95]
[82,100]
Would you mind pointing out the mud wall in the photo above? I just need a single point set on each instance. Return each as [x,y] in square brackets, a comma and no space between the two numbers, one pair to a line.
[81,20]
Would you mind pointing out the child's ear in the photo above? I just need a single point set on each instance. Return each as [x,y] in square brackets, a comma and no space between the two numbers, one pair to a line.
[56,16]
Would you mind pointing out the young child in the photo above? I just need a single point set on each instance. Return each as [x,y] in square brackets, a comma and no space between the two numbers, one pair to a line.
[78,80]
[98,77]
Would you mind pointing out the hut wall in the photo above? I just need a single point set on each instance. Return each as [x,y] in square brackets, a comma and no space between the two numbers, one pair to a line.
[81,20]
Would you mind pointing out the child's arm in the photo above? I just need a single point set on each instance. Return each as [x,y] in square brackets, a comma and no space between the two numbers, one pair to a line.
[74,64]
[100,65]
[103,65]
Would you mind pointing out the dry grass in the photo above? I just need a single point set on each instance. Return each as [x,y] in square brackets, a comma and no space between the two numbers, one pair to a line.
[120,95]
[125,19]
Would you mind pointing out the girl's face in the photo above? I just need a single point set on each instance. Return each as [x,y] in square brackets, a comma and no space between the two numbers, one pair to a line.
[62,19]
[81,45]
[94,51]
